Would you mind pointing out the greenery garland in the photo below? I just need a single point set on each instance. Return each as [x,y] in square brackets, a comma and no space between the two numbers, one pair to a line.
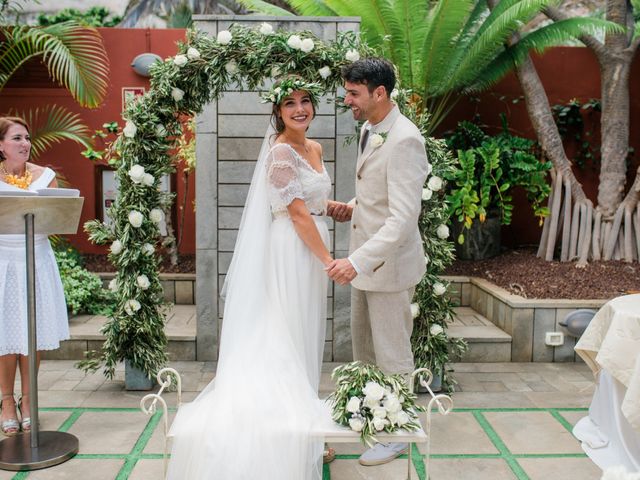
[183,85]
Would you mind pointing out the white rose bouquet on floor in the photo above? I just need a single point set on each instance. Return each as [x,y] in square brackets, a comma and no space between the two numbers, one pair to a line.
[368,401]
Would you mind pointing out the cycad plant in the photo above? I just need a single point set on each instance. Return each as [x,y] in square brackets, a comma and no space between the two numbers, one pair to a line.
[445,47]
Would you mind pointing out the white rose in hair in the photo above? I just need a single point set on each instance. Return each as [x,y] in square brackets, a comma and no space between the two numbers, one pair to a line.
[435,183]
[116,247]
[294,42]
[131,306]
[113,285]
[442,232]
[180,60]
[136,173]
[356,424]
[193,54]
[148,179]
[427,193]
[266,28]
[143,282]
[352,55]
[439,288]
[177,94]
[231,67]
[307,45]
[148,249]
[156,215]
[376,140]
[373,390]
[325,72]
[135,218]
[415,310]
[436,329]
[224,37]
[353,405]
[129,129]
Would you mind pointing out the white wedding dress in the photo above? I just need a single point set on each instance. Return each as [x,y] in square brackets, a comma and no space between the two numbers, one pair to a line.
[257,417]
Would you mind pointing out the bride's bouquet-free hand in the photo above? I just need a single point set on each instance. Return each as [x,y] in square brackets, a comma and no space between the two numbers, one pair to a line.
[368,401]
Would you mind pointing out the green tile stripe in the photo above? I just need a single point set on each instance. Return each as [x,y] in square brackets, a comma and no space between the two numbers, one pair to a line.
[136,454]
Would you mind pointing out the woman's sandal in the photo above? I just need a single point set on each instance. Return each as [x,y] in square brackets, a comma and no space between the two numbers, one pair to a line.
[25,423]
[328,455]
[11,427]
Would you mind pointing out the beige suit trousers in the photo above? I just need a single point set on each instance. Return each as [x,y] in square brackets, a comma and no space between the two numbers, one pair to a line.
[381,326]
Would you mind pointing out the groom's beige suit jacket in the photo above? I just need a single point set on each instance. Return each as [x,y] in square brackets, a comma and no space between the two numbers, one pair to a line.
[385,243]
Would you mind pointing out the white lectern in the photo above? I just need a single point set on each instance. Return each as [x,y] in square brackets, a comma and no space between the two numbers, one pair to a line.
[37,215]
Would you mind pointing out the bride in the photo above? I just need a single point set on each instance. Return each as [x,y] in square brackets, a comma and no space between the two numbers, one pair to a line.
[256,419]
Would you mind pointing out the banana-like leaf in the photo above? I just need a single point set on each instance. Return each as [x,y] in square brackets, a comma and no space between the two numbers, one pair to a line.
[53,124]
[74,55]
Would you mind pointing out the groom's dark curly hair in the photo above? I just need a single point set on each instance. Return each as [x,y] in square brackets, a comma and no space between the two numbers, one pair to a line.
[372,72]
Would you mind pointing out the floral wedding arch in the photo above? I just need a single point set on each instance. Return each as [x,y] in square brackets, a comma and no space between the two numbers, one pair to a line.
[181,86]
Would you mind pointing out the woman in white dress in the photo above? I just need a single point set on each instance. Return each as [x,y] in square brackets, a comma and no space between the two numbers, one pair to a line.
[16,174]
[256,419]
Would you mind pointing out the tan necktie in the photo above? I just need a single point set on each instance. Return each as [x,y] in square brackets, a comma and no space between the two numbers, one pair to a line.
[364,139]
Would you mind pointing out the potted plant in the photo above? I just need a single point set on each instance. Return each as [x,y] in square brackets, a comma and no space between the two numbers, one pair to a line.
[480,185]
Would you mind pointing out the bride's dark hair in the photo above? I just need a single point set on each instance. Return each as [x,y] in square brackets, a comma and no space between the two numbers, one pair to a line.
[276,118]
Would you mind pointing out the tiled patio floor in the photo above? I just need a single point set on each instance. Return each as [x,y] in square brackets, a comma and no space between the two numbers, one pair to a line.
[511,421]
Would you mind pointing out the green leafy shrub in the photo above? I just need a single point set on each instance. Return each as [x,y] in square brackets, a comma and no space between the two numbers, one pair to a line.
[488,168]
[94,17]
[83,290]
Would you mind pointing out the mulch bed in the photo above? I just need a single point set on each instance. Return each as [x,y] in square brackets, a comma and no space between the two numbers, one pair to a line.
[518,271]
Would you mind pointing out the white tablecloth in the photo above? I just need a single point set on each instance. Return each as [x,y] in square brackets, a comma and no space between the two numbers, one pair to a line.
[611,348]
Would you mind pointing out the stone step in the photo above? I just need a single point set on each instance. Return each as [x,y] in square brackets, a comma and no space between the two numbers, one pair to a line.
[487,343]
[85,335]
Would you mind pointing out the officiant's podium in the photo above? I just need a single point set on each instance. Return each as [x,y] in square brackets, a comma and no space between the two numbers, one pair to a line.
[30,215]
[440,403]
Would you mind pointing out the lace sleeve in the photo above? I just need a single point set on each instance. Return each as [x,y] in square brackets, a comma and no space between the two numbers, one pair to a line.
[282,173]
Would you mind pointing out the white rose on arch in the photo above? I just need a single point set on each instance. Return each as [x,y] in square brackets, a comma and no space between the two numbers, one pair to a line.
[129,129]
[231,67]
[295,42]
[116,247]
[161,131]
[136,173]
[156,215]
[442,232]
[143,282]
[177,94]
[439,289]
[352,55]
[325,72]
[436,329]
[415,310]
[148,179]
[427,193]
[180,60]
[429,168]
[435,183]
[131,306]
[266,28]
[193,54]
[113,285]
[224,37]
[307,45]
[135,218]
[148,249]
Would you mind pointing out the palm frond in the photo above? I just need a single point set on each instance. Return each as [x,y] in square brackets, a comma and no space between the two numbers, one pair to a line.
[53,124]
[312,8]
[74,55]
[259,6]
[538,40]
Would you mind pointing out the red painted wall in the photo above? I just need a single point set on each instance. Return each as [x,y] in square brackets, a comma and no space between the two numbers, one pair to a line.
[122,46]
[566,72]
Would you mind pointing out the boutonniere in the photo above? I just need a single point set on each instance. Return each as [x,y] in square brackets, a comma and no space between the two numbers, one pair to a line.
[377,139]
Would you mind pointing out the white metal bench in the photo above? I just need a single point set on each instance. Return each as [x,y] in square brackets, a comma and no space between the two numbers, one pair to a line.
[336,434]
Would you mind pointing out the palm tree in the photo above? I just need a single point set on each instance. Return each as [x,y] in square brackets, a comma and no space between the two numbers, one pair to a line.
[75,58]
[447,47]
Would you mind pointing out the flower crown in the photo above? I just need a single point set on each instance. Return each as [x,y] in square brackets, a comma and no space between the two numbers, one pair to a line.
[284,88]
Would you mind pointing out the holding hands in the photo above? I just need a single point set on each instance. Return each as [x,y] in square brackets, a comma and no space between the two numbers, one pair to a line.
[339,211]
[341,271]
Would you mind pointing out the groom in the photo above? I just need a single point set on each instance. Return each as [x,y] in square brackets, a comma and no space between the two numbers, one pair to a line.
[386,258]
